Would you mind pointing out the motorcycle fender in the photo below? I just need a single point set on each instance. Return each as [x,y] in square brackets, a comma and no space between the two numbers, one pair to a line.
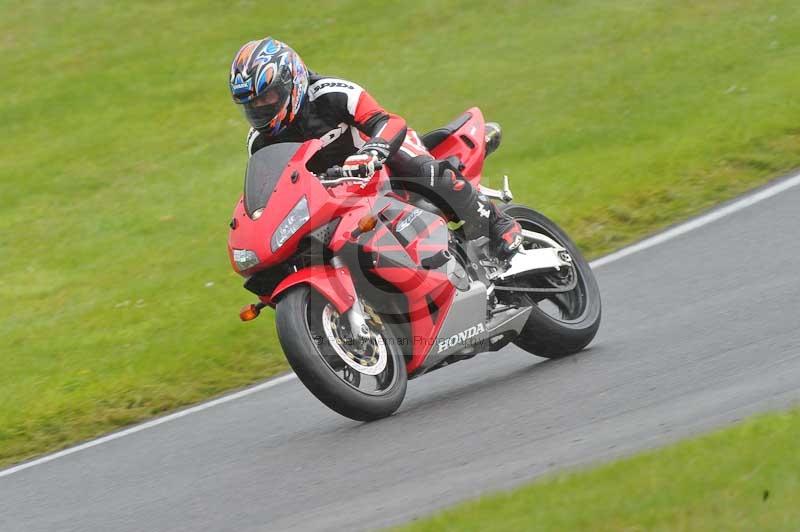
[335,284]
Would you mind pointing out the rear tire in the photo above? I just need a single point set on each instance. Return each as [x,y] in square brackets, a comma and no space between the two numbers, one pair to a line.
[299,319]
[544,334]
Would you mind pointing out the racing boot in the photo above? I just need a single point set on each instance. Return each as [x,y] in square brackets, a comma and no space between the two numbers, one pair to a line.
[481,217]
[506,233]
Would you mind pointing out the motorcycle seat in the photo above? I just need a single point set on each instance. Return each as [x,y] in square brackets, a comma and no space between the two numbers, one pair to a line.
[433,138]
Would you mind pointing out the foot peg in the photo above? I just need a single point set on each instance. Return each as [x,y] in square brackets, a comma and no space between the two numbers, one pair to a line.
[503,195]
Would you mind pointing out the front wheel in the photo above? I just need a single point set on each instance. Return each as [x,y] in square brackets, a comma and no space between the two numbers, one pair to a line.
[364,382]
[560,323]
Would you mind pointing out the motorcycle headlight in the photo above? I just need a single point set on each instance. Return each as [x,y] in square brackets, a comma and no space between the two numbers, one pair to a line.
[289,226]
[244,259]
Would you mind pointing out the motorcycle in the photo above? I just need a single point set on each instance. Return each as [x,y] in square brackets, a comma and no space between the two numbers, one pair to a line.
[373,285]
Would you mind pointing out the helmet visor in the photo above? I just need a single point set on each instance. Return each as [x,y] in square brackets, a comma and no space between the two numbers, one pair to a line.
[262,110]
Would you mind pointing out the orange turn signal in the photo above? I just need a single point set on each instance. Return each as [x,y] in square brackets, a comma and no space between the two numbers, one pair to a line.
[367,223]
[249,312]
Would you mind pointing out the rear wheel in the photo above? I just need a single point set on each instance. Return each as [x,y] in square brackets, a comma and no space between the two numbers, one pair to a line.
[360,381]
[560,323]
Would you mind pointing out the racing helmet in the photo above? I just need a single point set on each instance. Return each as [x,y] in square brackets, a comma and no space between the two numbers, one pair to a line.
[269,80]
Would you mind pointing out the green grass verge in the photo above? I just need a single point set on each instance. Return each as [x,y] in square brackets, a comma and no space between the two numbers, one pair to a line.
[746,477]
[122,158]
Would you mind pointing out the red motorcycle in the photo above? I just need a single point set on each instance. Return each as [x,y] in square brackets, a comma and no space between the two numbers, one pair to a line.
[372,286]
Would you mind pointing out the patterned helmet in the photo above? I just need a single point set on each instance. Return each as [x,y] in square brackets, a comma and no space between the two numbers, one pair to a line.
[269,80]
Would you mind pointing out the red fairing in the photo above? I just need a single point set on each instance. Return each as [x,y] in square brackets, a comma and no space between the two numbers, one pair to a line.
[348,201]
[468,143]
[398,256]
[420,287]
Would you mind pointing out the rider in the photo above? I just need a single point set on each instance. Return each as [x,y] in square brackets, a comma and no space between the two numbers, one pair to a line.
[284,102]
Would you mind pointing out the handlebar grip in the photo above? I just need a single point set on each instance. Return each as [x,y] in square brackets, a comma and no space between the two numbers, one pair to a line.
[334,172]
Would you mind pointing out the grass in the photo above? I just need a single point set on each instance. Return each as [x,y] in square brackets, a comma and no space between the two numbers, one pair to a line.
[122,157]
[746,477]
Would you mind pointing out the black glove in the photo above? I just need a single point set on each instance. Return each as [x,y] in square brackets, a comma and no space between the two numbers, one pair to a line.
[360,165]
[378,147]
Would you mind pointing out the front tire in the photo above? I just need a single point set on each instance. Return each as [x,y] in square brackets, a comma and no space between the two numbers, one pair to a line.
[559,324]
[363,390]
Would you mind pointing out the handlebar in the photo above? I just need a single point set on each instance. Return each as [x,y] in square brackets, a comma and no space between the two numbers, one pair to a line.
[335,176]
[332,172]
[337,171]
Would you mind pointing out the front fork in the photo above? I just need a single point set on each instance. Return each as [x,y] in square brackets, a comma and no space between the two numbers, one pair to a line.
[355,314]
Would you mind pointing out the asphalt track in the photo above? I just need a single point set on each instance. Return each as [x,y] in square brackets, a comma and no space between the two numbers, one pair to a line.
[700,329]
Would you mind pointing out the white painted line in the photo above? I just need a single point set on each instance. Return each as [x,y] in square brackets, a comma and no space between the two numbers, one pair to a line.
[149,424]
[691,225]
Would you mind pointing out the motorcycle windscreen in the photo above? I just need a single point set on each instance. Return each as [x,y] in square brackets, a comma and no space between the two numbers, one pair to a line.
[264,169]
